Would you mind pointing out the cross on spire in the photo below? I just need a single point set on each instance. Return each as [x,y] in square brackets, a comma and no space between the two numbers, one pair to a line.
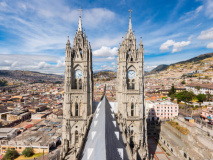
[80,10]
[130,13]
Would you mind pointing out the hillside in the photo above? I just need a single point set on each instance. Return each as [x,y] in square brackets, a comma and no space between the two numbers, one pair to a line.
[203,58]
[30,76]
[105,74]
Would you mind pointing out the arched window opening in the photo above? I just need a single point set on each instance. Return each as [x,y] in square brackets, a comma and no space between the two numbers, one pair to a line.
[131,59]
[131,140]
[133,84]
[74,85]
[132,109]
[76,136]
[76,109]
[80,50]
[80,84]
[128,84]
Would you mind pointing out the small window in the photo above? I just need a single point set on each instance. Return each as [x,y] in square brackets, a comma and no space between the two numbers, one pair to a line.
[76,136]
[20,147]
[132,109]
[76,109]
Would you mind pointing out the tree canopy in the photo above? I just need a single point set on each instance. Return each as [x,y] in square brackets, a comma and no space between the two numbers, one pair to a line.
[10,154]
[185,96]
[201,97]
[28,152]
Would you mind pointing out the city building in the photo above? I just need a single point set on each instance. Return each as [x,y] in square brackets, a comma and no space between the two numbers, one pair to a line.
[130,93]
[200,88]
[207,113]
[78,95]
[161,110]
[8,133]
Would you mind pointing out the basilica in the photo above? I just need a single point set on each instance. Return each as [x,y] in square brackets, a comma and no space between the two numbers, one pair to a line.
[94,131]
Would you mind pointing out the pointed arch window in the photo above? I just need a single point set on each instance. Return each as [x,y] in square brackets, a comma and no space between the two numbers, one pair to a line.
[80,50]
[76,109]
[132,109]
[133,84]
[76,137]
[80,84]
[74,85]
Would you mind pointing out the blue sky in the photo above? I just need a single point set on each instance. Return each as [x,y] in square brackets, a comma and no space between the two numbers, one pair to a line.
[33,33]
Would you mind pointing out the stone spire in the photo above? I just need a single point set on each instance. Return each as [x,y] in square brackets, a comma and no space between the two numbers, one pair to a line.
[80,23]
[68,41]
[130,23]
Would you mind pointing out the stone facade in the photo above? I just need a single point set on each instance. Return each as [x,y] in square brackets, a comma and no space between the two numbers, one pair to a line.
[78,95]
[130,94]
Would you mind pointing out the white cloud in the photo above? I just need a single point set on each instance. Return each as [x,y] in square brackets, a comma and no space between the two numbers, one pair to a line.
[41,63]
[3,4]
[177,46]
[190,37]
[165,46]
[111,68]
[207,34]
[192,14]
[105,52]
[93,18]
[210,45]
[106,41]
[209,8]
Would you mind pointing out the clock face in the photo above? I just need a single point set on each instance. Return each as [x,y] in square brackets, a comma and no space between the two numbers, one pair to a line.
[131,74]
[78,73]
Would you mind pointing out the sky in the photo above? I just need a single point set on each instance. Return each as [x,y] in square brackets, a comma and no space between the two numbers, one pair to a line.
[33,34]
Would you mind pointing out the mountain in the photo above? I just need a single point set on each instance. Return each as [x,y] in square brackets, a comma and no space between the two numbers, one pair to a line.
[105,74]
[194,60]
[31,76]
[158,69]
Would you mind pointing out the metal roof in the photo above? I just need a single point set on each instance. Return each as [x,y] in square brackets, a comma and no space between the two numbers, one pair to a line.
[104,139]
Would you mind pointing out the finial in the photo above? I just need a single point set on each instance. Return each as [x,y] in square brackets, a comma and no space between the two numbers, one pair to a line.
[80,11]
[130,13]
[67,37]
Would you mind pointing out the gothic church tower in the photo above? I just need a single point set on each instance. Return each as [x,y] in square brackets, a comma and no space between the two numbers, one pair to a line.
[130,94]
[78,92]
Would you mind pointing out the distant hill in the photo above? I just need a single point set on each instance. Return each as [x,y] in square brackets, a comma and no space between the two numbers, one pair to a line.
[105,74]
[31,76]
[158,69]
[197,59]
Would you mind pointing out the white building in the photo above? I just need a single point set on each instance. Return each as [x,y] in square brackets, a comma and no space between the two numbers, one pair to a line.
[161,110]
[8,133]
[200,88]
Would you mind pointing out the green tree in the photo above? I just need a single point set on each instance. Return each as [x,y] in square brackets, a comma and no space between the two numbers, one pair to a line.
[10,154]
[172,90]
[185,96]
[28,152]
[208,96]
[201,98]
